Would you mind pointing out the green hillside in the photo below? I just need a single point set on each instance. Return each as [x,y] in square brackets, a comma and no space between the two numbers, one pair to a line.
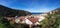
[5,11]
[52,20]
[9,12]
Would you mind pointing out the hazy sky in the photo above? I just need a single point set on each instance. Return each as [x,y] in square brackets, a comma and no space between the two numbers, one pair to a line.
[32,5]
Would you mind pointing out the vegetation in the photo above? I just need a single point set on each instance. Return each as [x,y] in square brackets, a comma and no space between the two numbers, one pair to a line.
[8,12]
[52,20]
[5,11]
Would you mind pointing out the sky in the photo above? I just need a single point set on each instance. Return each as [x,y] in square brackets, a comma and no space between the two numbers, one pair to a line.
[32,5]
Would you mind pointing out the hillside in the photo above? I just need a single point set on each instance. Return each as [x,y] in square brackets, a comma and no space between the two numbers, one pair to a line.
[9,12]
[52,20]
[5,11]
[56,11]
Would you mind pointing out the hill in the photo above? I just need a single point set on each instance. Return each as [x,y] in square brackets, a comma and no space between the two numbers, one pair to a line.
[56,11]
[6,11]
[52,20]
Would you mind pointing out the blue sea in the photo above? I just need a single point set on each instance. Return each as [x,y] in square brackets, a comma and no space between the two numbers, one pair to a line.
[36,13]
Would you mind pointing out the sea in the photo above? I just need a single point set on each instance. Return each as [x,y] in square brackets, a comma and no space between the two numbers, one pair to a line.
[36,14]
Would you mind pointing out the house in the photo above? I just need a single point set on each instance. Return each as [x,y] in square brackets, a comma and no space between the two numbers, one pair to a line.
[27,19]
[30,20]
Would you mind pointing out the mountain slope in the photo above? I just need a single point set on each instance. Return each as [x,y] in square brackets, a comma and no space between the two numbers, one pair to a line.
[5,11]
[52,20]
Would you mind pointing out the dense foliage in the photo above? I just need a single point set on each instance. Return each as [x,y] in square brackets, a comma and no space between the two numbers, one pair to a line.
[5,11]
[52,20]
[8,12]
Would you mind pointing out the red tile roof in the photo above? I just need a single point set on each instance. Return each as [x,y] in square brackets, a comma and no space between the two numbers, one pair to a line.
[22,18]
[33,20]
